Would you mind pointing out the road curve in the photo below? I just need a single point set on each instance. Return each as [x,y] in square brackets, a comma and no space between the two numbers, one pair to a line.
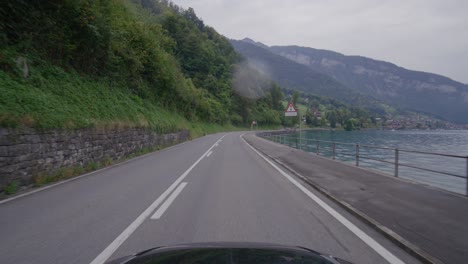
[216,188]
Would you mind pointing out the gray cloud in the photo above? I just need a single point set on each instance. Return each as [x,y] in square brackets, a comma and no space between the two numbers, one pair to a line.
[425,35]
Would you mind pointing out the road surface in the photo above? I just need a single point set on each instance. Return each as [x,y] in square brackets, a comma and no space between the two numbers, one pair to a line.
[216,188]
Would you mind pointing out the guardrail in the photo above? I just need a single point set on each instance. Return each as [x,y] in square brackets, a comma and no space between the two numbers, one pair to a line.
[299,144]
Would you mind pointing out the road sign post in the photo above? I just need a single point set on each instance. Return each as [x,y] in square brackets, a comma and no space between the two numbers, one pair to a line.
[254,123]
[292,111]
[301,119]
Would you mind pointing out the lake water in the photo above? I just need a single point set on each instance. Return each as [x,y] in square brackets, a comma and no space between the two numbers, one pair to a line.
[440,141]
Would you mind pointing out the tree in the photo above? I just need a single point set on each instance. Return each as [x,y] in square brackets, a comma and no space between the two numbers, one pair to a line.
[351,124]
[331,116]
[276,97]
[311,119]
[342,116]
[295,97]
[190,15]
[323,122]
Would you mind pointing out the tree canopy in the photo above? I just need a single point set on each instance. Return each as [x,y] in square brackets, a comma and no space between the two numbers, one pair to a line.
[161,53]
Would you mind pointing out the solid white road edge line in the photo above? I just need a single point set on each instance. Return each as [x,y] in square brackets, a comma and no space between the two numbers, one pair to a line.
[387,255]
[168,202]
[209,153]
[118,241]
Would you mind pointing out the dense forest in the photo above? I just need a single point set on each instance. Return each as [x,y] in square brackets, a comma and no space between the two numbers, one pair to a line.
[139,63]
[73,64]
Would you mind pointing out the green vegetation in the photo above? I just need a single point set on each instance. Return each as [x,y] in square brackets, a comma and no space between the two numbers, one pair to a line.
[326,112]
[351,124]
[64,173]
[11,188]
[140,63]
[143,63]
[52,98]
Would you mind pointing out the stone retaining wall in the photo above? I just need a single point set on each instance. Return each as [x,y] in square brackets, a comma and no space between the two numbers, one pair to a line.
[25,153]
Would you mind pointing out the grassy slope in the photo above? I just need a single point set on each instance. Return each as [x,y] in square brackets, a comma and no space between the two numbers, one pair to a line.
[137,81]
[51,98]
[131,78]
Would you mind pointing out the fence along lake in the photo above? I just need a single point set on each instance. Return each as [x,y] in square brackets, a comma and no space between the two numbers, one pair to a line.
[453,142]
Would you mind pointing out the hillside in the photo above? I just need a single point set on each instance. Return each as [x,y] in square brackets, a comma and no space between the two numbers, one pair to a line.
[140,63]
[293,75]
[412,90]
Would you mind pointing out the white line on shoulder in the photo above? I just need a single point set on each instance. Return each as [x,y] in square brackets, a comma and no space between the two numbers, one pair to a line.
[387,255]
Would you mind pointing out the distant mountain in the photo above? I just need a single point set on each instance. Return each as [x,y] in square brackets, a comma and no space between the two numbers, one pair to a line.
[291,74]
[412,90]
[259,44]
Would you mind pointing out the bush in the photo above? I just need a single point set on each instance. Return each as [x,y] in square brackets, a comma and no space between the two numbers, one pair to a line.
[11,188]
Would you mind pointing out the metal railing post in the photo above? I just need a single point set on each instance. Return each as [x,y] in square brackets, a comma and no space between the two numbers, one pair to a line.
[466,176]
[357,155]
[396,162]
[288,140]
[334,145]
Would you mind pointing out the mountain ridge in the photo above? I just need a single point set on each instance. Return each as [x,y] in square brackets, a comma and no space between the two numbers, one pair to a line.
[411,90]
[365,58]
[296,76]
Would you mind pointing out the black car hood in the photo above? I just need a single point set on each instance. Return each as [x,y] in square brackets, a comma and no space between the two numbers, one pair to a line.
[229,253]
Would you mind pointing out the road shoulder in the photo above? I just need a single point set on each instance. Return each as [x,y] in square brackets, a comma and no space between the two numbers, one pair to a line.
[416,218]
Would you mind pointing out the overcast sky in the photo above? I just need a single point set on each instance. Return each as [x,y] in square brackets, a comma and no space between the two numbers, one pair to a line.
[425,35]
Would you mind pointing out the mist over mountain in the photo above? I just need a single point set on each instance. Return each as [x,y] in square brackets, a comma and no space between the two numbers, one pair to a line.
[402,88]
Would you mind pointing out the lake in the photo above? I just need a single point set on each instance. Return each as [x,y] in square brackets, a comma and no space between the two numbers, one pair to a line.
[440,141]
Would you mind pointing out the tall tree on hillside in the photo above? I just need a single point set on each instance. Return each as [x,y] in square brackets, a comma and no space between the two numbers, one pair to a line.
[295,97]
[190,15]
[331,116]
[276,97]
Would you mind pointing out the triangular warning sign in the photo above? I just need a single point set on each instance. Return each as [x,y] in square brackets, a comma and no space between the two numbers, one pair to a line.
[290,110]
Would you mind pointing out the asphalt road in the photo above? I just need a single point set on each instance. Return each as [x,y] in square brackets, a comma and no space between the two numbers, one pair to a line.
[216,188]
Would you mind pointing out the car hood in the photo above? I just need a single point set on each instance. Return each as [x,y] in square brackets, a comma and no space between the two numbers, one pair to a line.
[229,253]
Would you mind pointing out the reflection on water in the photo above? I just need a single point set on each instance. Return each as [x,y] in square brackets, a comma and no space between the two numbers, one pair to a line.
[439,141]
